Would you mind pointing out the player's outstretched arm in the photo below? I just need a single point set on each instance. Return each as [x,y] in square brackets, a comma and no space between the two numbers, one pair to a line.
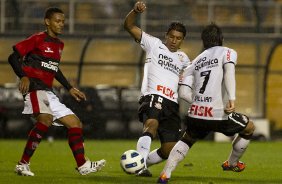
[78,95]
[129,23]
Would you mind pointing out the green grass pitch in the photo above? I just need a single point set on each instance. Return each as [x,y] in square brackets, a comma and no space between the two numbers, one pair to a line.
[54,164]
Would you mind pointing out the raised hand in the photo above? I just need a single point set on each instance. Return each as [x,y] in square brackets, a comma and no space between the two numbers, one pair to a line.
[139,7]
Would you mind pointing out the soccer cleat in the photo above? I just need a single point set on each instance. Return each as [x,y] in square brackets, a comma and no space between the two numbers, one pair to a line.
[23,169]
[240,166]
[144,173]
[163,179]
[90,167]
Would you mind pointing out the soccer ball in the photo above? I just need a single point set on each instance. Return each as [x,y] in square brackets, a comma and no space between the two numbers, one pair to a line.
[131,162]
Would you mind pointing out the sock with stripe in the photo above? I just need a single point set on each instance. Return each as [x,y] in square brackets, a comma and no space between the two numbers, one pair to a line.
[76,144]
[34,138]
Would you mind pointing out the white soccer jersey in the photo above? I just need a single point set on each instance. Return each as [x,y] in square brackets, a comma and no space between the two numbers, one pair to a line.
[209,93]
[162,68]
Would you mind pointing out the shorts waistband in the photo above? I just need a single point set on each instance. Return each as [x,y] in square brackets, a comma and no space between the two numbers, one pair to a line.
[165,100]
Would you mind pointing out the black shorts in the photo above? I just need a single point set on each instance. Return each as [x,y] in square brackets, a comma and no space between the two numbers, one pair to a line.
[167,114]
[200,128]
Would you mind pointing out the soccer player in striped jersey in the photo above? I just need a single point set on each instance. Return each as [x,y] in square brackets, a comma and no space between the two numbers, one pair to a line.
[35,61]
[209,85]
[159,109]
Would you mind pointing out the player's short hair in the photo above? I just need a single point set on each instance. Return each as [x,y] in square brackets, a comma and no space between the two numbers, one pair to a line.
[177,26]
[212,36]
[50,11]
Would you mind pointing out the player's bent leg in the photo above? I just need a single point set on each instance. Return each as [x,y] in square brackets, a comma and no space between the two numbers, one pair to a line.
[34,138]
[176,155]
[75,139]
[239,144]
[143,147]
[144,144]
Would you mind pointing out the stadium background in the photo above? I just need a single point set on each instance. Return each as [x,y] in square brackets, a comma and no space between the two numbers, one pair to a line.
[102,59]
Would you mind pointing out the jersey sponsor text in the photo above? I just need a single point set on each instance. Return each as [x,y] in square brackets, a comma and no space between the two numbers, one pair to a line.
[203,63]
[167,63]
[166,91]
[50,65]
[201,110]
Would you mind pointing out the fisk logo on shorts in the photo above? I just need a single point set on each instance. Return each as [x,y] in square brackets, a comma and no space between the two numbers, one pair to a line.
[201,111]
[166,91]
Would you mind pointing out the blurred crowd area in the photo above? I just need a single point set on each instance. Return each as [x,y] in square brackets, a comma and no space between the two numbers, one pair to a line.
[101,59]
[100,17]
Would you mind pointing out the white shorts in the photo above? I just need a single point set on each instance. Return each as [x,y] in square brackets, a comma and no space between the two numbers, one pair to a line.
[46,102]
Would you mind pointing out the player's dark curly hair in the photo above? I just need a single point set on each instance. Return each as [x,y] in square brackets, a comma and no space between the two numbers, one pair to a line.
[50,11]
[212,36]
[177,26]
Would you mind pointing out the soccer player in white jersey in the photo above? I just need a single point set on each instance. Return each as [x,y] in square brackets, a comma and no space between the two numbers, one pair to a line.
[209,85]
[159,109]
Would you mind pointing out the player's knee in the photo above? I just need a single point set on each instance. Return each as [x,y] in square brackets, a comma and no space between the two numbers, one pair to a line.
[148,134]
[151,127]
[163,153]
[151,124]
[248,131]
[74,124]
[188,140]
[45,119]
[250,128]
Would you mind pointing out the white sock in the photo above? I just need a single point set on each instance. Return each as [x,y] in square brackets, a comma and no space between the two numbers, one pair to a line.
[239,146]
[153,158]
[143,146]
[176,155]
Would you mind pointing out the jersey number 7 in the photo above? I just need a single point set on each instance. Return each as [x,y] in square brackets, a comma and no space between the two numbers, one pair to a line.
[206,75]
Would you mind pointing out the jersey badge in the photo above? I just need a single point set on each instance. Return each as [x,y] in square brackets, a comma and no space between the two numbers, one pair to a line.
[181,57]
[48,50]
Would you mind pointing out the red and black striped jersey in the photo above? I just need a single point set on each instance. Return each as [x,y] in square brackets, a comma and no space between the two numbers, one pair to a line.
[41,57]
